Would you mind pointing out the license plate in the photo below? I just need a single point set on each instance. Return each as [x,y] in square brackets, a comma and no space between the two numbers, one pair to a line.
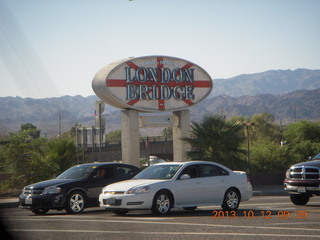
[301,189]
[28,201]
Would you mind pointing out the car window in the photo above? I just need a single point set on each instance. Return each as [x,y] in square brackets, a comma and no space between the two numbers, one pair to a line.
[123,172]
[208,170]
[192,171]
[105,172]
[77,172]
[316,157]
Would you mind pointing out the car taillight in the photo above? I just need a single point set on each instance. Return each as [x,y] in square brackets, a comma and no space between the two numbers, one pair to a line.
[248,179]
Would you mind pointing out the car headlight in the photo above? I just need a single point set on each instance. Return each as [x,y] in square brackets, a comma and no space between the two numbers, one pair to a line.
[51,190]
[288,174]
[138,190]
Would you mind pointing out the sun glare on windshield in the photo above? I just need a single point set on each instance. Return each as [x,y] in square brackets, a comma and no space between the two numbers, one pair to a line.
[76,172]
[158,172]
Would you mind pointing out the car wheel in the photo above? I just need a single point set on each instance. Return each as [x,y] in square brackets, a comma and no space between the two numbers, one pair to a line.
[76,202]
[231,200]
[40,211]
[162,203]
[190,208]
[299,199]
[121,211]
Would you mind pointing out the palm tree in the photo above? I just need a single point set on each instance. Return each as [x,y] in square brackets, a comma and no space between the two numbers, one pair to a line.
[61,153]
[218,140]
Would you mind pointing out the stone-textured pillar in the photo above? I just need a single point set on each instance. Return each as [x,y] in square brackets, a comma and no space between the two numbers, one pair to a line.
[130,137]
[180,128]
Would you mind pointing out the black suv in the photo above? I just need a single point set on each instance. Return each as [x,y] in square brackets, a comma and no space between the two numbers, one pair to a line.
[303,181]
[76,188]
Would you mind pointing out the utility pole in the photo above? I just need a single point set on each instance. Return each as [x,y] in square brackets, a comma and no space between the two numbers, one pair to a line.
[100,124]
[77,142]
[59,124]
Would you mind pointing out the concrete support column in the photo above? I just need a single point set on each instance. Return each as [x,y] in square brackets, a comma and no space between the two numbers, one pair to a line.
[180,128]
[130,137]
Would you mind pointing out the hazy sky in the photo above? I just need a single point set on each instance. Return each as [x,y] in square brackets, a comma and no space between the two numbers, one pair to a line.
[51,48]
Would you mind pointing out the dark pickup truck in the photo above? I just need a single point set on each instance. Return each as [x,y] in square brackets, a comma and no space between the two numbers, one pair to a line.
[303,181]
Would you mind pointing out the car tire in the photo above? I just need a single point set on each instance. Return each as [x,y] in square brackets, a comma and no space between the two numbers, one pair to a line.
[162,203]
[299,199]
[40,211]
[76,202]
[231,200]
[190,208]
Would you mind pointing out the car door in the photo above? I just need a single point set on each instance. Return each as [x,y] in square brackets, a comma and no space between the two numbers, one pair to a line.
[188,191]
[214,183]
[100,178]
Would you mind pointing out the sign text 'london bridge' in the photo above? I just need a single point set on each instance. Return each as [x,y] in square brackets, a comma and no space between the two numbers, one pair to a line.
[159,83]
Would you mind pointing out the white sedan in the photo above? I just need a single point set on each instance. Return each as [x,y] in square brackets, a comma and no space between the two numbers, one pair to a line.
[178,185]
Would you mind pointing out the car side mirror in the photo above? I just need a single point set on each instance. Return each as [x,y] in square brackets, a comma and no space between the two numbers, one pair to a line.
[185,176]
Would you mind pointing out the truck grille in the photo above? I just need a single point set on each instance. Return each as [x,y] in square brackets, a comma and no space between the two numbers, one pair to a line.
[304,173]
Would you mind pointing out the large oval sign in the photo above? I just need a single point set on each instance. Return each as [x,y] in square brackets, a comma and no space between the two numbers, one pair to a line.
[152,84]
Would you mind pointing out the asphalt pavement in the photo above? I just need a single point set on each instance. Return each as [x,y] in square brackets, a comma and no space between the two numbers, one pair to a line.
[263,218]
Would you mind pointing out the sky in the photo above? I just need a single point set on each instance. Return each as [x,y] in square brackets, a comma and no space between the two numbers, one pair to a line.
[52,48]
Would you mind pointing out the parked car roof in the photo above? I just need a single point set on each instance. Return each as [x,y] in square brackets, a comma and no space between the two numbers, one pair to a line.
[101,164]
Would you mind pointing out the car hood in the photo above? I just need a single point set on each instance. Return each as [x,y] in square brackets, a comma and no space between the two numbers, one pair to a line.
[313,163]
[48,183]
[126,185]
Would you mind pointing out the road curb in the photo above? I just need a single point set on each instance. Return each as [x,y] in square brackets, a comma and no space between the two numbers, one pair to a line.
[9,202]
[277,190]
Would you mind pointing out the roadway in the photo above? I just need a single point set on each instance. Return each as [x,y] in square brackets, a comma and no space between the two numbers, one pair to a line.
[263,217]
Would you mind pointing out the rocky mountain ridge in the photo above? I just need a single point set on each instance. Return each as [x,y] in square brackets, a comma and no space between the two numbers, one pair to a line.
[240,95]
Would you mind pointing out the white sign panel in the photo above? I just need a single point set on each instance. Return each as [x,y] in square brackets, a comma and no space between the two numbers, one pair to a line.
[156,121]
[152,84]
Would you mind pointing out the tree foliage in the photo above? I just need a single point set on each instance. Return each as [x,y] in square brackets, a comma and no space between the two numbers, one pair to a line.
[268,156]
[302,139]
[167,132]
[216,139]
[23,154]
[32,130]
[61,153]
[114,135]
[31,158]
[264,127]
[259,137]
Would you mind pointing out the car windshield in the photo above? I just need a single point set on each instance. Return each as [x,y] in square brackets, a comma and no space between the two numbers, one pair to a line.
[77,172]
[158,172]
[316,157]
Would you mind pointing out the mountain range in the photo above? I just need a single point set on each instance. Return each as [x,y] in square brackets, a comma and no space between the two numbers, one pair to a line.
[288,95]
[269,82]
